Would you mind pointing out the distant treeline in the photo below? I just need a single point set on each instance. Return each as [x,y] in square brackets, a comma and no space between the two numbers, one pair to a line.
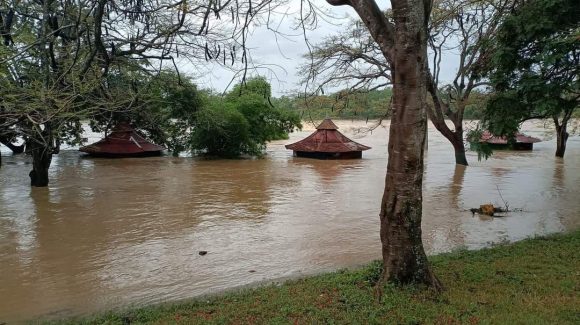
[374,104]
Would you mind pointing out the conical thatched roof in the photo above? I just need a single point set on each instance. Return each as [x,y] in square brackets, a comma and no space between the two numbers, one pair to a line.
[327,124]
[122,141]
[327,139]
[488,137]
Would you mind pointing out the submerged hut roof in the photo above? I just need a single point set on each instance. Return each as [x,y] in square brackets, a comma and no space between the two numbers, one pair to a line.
[327,124]
[327,139]
[123,141]
[488,137]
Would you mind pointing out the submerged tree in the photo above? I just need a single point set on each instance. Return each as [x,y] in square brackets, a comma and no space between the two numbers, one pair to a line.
[162,106]
[403,44]
[463,27]
[61,57]
[242,122]
[536,68]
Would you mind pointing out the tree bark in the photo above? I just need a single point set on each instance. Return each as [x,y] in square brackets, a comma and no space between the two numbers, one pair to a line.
[426,138]
[404,258]
[561,139]
[41,159]
[404,45]
[459,148]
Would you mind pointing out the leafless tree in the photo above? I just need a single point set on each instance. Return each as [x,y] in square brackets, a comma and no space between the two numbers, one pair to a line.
[463,27]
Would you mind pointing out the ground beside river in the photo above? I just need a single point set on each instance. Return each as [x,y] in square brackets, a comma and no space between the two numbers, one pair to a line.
[535,281]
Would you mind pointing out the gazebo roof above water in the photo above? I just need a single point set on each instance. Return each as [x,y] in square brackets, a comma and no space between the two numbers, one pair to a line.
[123,141]
[327,139]
[327,124]
[488,137]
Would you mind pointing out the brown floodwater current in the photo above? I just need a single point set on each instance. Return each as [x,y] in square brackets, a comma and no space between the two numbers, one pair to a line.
[108,233]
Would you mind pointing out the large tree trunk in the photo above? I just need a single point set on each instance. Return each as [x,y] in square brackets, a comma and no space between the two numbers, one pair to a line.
[41,159]
[561,139]
[404,45]
[404,258]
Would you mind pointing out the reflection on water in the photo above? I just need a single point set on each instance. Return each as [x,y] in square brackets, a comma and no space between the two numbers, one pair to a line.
[115,232]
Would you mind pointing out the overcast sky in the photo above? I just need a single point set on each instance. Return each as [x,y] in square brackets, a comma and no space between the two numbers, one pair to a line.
[278,57]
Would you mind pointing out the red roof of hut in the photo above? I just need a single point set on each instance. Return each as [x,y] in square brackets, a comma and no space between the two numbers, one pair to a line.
[488,137]
[122,141]
[327,139]
[327,124]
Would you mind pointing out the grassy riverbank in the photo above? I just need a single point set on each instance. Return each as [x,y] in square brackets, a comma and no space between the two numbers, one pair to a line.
[535,281]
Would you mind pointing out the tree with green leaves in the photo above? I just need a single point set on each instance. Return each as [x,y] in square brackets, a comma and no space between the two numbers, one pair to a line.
[59,58]
[535,70]
[345,104]
[242,122]
[163,106]
[222,131]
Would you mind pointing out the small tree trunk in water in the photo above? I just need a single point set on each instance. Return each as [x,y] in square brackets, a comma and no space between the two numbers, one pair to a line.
[561,139]
[454,137]
[404,258]
[41,159]
[459,148]
[460,158]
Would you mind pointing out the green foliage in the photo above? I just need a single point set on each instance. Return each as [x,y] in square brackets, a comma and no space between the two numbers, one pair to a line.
[475,107]
[65,61]
[373,104]
[257,86]
[536,65]
[162,106]
[251,118]
[177,102]
[48,81]
[267,122]
[221,130]
[482,148]
[505,111]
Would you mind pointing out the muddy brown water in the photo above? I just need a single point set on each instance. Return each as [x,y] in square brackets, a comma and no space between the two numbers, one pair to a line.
[110,233]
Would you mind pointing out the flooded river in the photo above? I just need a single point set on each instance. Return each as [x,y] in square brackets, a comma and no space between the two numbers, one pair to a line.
[109,233]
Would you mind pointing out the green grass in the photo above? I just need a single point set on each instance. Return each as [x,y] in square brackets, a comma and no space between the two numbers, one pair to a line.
[535,281]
